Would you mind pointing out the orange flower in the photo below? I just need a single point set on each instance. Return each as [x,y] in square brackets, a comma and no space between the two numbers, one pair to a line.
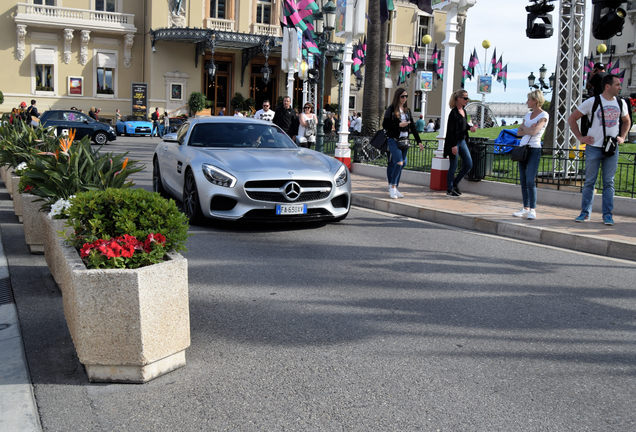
[123,167]
[66,142]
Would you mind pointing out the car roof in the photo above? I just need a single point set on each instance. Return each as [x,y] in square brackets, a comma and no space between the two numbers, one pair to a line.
[228,119]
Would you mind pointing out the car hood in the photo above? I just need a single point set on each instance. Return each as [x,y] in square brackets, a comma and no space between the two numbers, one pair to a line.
[265,160]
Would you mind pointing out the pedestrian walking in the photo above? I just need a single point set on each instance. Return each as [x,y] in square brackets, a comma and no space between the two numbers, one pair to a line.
[166,123]
[32,114]
[266,113]
[155,122]
[286,119]
[307,122]
[609,121]
[398,122]
[455,145]
[531,131]
[327,126]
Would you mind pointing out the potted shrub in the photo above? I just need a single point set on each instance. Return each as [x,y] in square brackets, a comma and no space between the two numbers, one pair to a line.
[196,102]
[53,176]
[126,288]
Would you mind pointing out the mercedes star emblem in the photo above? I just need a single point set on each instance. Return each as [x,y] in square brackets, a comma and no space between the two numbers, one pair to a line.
[292,191]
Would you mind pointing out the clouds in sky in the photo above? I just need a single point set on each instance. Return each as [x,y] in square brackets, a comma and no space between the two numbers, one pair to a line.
[503,23]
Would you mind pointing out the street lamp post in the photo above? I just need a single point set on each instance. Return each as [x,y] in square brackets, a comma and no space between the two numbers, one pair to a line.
[542,85]
[336,64]
[324,23]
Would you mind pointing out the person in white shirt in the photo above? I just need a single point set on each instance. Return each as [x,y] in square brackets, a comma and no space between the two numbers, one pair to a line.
[531,131]
[612,112]
[356,124]
[265,113]
[307,126]
[430,127]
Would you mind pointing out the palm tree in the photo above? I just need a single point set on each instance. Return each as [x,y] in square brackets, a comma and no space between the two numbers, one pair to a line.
[370,115]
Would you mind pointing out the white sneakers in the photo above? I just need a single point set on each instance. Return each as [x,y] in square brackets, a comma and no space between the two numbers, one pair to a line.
[527,214]
[395,193]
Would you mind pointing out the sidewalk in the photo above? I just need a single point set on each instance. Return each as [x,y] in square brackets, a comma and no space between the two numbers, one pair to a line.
[554,225]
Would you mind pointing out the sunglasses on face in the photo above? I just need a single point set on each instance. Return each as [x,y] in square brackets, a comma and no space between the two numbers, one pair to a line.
[404,96]
[307,107]
[465,97]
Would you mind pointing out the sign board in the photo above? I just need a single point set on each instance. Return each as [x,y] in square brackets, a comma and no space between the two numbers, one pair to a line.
[140,100]
[75,86]
[484,84]
[425,79]
[439,4]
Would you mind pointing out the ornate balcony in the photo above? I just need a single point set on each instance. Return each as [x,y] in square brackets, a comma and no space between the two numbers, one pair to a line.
[226,25]
[63,17]
[399,50]
[266,30]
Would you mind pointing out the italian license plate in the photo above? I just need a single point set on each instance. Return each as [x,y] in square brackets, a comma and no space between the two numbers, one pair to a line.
[291,209]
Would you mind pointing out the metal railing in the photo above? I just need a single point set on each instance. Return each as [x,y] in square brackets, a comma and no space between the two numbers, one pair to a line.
[65,13]
[492,162]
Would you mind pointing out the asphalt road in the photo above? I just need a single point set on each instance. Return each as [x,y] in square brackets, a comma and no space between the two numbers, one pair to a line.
[378,323]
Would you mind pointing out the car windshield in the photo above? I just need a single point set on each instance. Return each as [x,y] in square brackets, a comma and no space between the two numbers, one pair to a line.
[135,118]
[239,135]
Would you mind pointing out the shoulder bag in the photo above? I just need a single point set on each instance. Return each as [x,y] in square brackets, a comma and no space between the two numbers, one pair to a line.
[379,141]
[519,153]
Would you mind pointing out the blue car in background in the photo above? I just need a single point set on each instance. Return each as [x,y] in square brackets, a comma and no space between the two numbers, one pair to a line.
[132,125]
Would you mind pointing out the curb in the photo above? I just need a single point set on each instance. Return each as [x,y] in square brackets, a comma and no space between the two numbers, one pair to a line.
[544,236]
[17,401]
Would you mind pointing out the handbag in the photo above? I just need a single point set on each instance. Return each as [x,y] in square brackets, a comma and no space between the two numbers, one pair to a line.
[310,129]
[379,141]
[403,144]
[519,153]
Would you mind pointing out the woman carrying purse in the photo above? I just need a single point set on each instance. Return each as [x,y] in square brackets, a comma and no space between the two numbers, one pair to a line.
[398,122]
[307,126]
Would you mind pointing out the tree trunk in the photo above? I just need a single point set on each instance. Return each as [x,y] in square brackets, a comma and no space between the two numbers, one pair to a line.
[381,92]
[370,117]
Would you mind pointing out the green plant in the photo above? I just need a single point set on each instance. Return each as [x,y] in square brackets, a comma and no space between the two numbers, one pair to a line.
[75,167]
[248,104]
[196,102]
[237,101]
[1,97]
[21,143]
[99,216]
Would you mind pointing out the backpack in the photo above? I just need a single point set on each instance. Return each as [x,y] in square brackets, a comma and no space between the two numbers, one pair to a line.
[154,116]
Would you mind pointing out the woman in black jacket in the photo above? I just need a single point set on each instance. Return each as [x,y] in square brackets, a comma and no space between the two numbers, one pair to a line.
[398,122]
[455,142]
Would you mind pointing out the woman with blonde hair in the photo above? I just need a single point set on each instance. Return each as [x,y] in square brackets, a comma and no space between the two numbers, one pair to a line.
[531,131]
[398,122]
[455,145]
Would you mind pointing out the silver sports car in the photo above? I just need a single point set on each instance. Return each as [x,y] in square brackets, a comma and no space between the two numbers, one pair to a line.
[232,168]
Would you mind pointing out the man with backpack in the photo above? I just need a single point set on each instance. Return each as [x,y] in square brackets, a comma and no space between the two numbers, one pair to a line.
[155,123]
[609,122]
[32,115]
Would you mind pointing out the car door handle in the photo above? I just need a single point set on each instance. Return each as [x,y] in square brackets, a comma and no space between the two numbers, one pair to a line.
[179,167]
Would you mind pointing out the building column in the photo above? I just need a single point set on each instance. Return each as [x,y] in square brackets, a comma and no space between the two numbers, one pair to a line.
[86,36]
[21,33]
[128,43]
[68,39]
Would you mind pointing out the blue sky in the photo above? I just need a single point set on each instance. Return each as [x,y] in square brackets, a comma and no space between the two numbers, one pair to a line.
[505,28]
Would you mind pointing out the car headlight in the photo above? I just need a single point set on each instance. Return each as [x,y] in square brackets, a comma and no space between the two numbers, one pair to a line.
[217,176]
[341,176]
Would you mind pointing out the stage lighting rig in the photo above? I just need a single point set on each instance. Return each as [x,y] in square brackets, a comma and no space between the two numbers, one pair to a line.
[608,18]
[539,21]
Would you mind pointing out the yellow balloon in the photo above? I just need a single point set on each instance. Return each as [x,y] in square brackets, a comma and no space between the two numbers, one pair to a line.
[486,43]
[601,48]
[427,39]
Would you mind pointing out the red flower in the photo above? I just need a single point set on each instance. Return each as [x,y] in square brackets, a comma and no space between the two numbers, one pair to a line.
[28,188]
[154,238]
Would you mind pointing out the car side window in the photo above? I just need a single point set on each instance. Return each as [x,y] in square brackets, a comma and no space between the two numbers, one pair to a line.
[182,132]
[71,116]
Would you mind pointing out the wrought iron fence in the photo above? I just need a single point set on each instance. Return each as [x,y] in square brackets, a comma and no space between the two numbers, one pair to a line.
[562,170]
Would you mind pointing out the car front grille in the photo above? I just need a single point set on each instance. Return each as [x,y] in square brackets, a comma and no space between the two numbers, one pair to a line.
[142,130]
[274,190]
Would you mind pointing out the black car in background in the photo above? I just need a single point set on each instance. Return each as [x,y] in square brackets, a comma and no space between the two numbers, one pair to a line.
[65,120]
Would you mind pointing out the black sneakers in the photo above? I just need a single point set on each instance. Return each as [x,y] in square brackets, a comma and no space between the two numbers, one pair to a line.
[453,193]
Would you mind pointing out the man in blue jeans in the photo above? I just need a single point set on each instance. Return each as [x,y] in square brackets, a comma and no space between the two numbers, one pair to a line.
[617,124]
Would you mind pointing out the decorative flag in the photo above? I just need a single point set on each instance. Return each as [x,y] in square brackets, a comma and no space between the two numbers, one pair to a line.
[402,76]
[300,15]
[621,76]
[387,62]
[416,55]
[435,56]
[364,50]
[474,61]
[411,58]
[502,76]
[386,6]
[440,71]
[499,64]
[493,62]
[357,59]
[464,76]
[424,5]
[615,68]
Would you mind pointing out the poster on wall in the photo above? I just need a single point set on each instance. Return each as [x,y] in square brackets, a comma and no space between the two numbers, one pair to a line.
[484,84]
[176,91]
[140,100]
[75,87]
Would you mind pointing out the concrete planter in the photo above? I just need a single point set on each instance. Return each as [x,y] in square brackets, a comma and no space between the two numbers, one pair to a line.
[34,230]
[127,325]
[54,230]
[3,174]
[8,183]
[17,197]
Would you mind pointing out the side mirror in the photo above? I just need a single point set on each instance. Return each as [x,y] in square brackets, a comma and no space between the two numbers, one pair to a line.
[170,137]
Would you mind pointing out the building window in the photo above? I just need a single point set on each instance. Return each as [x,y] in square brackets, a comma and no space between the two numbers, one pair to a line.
[217,9]
[44,2]
[44,78]
[105,73]
[264,11]
[417,103]
[423,28]
[44,61]
[105,5]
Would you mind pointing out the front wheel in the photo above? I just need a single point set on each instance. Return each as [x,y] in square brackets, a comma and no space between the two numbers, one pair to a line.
[100,138]
[157,184]
[191,205]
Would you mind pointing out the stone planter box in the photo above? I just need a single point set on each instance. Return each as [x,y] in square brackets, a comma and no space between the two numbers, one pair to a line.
[53,252]
[17,197]
[127,325]
[3,174]
[8,180]
[34,230]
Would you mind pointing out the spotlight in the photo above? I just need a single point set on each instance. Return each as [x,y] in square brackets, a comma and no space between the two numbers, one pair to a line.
[539,10]
[608,18]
